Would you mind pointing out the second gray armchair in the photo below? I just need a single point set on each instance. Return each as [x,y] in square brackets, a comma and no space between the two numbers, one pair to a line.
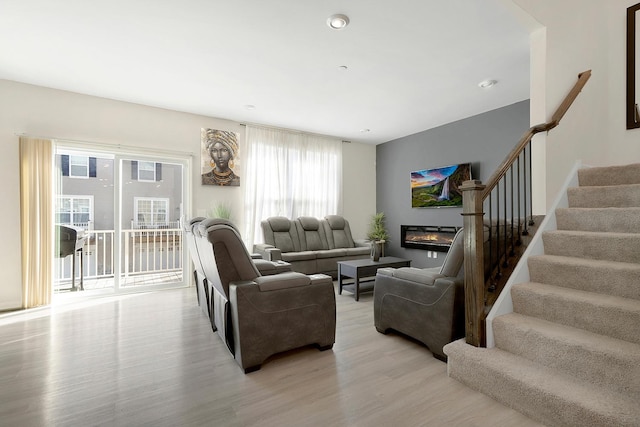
[426,304]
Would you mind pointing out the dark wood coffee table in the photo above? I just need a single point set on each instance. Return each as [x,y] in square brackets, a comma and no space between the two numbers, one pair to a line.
[365,268]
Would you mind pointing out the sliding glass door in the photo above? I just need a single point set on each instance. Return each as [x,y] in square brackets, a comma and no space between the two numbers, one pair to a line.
[151,207]
[126,210]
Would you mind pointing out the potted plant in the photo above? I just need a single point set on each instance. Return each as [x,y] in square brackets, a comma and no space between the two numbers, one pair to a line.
[378,235]
[220,210]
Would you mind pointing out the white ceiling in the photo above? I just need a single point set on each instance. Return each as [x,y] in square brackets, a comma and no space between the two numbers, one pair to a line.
[412,64]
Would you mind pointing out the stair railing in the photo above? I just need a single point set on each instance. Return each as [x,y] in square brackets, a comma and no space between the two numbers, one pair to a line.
[493,245]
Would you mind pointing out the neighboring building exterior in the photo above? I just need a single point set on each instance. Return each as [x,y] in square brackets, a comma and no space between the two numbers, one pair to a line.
[151,193]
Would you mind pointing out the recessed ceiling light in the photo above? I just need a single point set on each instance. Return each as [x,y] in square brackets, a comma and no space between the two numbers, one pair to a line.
[487,83]
[249,107]
[338,21]
[365,130]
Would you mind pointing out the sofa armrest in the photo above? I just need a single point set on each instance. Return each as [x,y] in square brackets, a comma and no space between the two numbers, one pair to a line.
[268,252]
[285,280]
[362,243]
[422,276]
[267,268]
[420,293]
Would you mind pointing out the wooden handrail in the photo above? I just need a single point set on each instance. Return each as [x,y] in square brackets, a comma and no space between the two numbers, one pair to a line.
[571,96]
[544,127]
[474,195]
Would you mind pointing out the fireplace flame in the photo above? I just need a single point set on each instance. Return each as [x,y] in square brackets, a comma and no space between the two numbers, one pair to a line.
[428,238]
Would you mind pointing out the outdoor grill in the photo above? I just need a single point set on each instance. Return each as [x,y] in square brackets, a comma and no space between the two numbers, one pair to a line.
[69,241]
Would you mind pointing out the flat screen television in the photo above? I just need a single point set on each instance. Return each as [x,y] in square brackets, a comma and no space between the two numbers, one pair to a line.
[439,187]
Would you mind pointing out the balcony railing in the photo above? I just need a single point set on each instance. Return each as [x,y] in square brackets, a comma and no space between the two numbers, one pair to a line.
[144,225]
[147,251]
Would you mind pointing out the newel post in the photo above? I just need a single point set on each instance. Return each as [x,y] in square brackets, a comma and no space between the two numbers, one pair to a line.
[472,212]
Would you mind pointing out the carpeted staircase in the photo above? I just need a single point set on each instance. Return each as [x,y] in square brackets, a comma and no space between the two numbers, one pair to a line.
[569,354]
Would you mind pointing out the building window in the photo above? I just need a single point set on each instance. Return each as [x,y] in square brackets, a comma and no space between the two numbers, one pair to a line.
[74,210]
[78,166]
[147,171]
[151,212]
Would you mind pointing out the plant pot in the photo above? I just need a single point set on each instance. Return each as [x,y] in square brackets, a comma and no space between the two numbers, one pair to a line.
[376,250]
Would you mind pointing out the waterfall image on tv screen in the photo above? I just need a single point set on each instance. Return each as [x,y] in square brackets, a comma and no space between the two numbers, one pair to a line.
[439,187]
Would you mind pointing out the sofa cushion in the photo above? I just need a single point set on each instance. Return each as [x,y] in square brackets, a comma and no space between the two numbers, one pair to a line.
[336,222]
[279,223]
[298,256]
[332,253]
[280,232]
[311,234]
[309,223]
[284,242]
[338,232]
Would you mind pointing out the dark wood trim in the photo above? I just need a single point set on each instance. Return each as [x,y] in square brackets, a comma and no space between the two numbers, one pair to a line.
[472,216]
[633,119]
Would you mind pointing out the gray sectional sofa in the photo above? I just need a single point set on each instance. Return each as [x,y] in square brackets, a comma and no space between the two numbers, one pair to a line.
[309,244]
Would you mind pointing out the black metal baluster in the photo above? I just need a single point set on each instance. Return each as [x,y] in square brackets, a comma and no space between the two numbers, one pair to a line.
[525,232]
[498,255]
[489,273]
[513,246]
[531,222]
[519,241]
[505,237]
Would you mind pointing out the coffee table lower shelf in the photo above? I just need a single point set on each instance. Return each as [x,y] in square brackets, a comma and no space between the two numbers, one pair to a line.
[366,269]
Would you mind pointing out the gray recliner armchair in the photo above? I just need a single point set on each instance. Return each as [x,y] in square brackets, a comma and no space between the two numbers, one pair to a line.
[203,292]
[426,304]
[258,316]
[202,288]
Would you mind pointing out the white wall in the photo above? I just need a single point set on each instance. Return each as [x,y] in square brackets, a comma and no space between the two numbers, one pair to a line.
[358,186]
[582,35]
[624,145]
[38,111]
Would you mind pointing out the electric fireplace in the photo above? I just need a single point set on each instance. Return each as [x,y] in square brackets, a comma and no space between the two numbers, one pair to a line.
[427,237]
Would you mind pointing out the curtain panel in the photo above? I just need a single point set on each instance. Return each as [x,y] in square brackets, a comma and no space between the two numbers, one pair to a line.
[36,220]
[289,174]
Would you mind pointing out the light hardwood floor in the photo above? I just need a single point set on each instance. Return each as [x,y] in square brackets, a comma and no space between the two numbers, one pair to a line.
[152,360]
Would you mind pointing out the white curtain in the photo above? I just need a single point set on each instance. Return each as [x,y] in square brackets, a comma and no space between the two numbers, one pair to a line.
[289,174]
[36,214]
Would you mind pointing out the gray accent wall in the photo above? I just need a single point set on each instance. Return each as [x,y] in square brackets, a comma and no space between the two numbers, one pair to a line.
[483,140]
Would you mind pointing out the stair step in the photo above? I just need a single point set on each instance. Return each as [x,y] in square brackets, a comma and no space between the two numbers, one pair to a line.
[595,358]
[611,316]
[621,196]
[543,394]
[569,353]
[616,220]
[621,247]
[610,175]
[605,277]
